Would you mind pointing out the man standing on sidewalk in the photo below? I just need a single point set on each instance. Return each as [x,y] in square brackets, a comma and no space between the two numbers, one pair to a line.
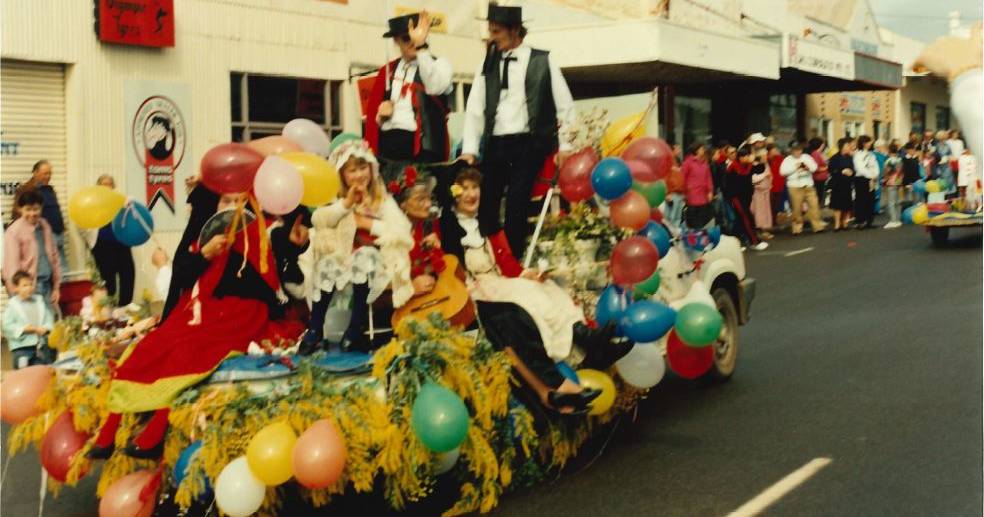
[798,169]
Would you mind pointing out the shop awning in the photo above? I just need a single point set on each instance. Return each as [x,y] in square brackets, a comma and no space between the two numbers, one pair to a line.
[877,72]
[813,67]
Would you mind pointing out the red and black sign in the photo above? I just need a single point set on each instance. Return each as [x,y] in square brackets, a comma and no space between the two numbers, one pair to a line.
[148,23]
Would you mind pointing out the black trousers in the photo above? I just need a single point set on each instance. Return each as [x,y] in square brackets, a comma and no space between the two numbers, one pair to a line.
[510,167]
[864,202]
[697,216]
[114,260]
[508,325]
[396,145]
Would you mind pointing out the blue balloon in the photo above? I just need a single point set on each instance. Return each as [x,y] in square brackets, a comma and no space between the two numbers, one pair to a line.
[907,214]
[184,461]
[657,234]
[610,306]
[611,178]
[645,321]
[127,226]
[919,186]
[568,372]
[714,233]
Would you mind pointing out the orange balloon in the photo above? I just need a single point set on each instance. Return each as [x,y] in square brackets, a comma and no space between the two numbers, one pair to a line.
[674,182]
[319,455]
[20,392]
[122,499]
[273,145]
[630,211]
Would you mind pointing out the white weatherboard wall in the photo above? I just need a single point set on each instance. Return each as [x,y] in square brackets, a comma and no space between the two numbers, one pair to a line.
[299,38]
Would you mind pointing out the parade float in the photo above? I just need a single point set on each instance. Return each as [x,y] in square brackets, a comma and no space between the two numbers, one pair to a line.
[436,403]
[939,215]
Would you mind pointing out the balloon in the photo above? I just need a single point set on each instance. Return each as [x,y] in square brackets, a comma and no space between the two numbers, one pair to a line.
[932,186]
[230,168]
[446,460]
[630,211]
[273,145]
[184,462]
[633,260]
[618,134]
[646,321]
[610,305]
[94,206]
[698,293]
[674,181]
[599,381]
[439,418]
[122,498]
[920,214]
[309,135]
[20,391]
[341,138]
[687,361]
[647,287]
[237,491]
[321,180]
[278,186]
[643,366]
[907,214]
[60,444]
[654,192]
[133,225]
[658,235]
[319,455]
[574,178]
[698,325]
[641,171]
[568,372]
[655,152]
[269,453]
[656,215]
[611,178]
[919,186]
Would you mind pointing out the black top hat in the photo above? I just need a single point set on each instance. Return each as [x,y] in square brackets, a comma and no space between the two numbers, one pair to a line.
[401,25]
[505,15]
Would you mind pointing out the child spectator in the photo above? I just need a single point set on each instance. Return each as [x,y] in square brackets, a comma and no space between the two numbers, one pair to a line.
[892,178]
[26,323]
[29,245]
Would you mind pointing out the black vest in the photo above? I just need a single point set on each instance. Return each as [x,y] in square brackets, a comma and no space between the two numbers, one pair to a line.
[433,122]
[540,106]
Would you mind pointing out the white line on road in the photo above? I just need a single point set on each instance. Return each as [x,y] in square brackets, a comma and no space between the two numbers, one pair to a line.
[780,488]
[797,252]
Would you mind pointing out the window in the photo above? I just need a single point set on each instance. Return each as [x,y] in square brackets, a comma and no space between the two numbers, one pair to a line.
[942,117]
[822,128]
[853,129]
[917,117]
[262,104]
[882,130]
[453,104]
[692,120]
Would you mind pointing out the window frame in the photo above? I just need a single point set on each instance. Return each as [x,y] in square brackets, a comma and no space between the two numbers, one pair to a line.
[249,127]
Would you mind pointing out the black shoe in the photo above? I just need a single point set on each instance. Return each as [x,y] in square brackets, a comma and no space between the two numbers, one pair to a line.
[310,343]
[579,403]
[357,341]
[603,357]
[100,453]
[134,451]
[589,338]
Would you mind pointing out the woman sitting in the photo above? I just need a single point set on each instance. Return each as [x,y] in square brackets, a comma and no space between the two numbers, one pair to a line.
[533,319]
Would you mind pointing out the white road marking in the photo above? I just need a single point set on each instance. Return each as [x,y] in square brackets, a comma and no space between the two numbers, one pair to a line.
[797,252]
[782,487]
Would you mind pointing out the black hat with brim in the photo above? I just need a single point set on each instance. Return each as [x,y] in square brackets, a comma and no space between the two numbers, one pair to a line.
[401,25]
[505,15]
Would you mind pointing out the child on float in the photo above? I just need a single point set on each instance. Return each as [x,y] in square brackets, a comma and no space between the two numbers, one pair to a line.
[530,317]
[27,320]
[362,239]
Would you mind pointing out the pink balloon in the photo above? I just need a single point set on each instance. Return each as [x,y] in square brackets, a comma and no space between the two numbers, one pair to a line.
[60,444]
[20,392]
[641,171]
[630,211]
[633,260]
[574,178]
[230,168]
[654,152]
[122,498]
[319,455]
[273,145]
[278,186]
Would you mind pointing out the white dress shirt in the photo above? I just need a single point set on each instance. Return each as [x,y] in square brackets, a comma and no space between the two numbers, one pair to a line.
[796,176]
[866,165]
[434,72]
[512,116]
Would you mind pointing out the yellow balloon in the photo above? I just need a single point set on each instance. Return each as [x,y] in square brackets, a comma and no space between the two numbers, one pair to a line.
[321,181]
[932,186]
[600,381]
[270,452]
[621,133]
[920,214]
[95,206]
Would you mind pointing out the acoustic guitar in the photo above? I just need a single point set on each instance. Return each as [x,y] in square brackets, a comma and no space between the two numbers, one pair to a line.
[449,297]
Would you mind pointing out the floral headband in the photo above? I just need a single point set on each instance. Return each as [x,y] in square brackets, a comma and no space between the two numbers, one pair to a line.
[407,181]
[353,148]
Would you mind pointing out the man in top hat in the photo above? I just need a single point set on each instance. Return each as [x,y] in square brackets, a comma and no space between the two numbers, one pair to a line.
[407,116]
[518,101]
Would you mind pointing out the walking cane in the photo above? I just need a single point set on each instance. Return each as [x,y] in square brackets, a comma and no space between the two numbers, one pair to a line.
[539,226]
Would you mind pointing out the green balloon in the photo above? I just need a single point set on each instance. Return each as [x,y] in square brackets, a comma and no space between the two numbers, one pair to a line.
[654,192]
[341,138]
[647,287]
[439,418]
[698,324]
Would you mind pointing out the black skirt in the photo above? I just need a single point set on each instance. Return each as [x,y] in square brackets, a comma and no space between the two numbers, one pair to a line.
[508,325]
[840,193]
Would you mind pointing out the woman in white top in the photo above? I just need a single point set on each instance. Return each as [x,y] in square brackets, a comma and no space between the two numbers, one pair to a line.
[865,180]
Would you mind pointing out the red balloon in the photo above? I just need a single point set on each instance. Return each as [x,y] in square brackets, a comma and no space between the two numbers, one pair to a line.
[60,444]
[630,211]
[633,260]
[656,215]
[574,178]
[641,171]
[122,499]
[654,152]
[230,168]
[686,361]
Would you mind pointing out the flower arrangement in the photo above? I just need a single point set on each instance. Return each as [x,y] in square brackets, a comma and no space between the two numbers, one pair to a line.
[582,223]
[587,130]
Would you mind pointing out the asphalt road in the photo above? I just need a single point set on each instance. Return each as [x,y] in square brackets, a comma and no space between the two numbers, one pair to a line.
[865,349]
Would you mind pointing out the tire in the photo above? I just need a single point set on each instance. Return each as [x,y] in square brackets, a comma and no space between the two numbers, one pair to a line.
[726,347]
[940,235]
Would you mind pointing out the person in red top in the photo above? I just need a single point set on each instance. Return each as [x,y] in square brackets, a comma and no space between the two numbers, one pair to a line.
[413,194]
[777,194]
[698,187]
[738,191]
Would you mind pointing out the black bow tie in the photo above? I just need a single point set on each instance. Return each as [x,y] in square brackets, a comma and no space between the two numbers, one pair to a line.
[505,70]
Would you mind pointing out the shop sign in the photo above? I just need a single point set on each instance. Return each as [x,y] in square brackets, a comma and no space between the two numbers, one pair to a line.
[817,58]
[146,23]
[158,157]
[852,104]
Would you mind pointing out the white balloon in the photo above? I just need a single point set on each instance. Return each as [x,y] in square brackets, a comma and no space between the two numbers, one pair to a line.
[309,135]
[643,366]
[447,460]
[698,293]
[278,186]
[237,491]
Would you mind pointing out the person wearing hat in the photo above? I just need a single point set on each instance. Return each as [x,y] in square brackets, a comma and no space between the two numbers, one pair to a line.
[518,101]
[406,120]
